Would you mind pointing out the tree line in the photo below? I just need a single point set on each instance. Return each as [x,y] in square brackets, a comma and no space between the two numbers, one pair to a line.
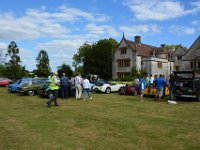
[91,58]
[10,64]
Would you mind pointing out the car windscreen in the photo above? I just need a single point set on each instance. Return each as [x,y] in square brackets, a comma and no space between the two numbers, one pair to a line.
[38,81]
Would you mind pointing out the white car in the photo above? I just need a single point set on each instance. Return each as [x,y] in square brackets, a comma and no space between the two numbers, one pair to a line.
[107,87]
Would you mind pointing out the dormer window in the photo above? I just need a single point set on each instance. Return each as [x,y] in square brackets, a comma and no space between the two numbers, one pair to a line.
[159,64]
[179,57]
[123,50]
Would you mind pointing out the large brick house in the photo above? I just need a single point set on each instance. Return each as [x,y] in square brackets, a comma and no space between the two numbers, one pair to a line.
[191,58]
[178,57]
[135,54]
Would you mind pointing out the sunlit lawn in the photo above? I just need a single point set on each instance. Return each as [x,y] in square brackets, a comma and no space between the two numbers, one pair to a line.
[107,122]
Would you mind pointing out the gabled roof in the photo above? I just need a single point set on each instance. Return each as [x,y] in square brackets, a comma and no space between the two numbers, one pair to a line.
[192,53]
[142,49]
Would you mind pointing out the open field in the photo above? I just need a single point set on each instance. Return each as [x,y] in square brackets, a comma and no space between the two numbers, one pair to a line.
[108,122]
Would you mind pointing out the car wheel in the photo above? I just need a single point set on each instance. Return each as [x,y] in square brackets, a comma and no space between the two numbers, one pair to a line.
[31,93]
[108,90]
[121,90]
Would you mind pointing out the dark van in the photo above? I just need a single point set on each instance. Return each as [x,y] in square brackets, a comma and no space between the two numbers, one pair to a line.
[187,85]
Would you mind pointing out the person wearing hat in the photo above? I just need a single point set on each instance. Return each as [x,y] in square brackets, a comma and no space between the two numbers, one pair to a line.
[54,86]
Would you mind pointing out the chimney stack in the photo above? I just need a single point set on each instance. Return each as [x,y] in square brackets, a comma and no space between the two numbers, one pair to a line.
[138,39]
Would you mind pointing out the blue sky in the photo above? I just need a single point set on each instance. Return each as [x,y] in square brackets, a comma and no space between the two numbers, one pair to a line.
[60,27]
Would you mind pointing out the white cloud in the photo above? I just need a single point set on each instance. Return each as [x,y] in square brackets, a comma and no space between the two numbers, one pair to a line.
[28,59]
[140,29]
[195,22]
[181,30]
[95,31]
[42,24]
[159,10]
[60,33]
[3,48]
[60,51]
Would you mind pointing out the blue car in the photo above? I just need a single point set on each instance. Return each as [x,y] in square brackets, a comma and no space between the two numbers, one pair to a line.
[19,83]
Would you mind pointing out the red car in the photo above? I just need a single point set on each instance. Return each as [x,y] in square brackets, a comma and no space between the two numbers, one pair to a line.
[5,81]
[129,90]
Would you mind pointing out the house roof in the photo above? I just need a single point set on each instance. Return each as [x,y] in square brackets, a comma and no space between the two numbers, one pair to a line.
[142,49]
[193,51]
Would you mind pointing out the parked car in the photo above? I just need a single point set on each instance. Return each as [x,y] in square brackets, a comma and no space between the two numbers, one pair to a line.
[33,87]
[103,86]
[129,90]
[44,91]
[13,87]
[187,85]
[5,81]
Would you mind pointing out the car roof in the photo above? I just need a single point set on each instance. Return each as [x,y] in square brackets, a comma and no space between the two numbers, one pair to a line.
[184,74]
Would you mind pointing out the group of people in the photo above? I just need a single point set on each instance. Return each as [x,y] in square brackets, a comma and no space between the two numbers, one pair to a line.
[159,83]
[81,84]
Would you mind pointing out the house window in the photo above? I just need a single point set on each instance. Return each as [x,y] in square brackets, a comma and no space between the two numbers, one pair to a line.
[122,75]
[179,57]
[191,65]
[198,64]
[124,63]
[123,50]
[159,64]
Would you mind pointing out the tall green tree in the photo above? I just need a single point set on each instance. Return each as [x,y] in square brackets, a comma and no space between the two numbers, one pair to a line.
[65,69]
[96,58]
[43,67]
[13,66]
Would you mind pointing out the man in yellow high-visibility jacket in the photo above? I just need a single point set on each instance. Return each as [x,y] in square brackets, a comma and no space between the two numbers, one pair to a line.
[54,86]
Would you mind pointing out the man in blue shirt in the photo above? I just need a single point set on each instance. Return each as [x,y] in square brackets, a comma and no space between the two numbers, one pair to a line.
[159,83]
[142,88]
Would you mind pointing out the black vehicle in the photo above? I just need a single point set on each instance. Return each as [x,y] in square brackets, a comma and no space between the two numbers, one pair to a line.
[187,85]
[45,90]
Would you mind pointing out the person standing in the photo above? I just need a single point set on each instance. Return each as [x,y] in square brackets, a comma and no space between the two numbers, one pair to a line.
[151,80]
[142,87]
[54,86]
[78,81]
[159,83]
[64,86]
[147,81]
[86,88]
[172,85]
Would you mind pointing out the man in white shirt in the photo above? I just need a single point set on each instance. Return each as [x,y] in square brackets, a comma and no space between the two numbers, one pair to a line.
[86,88]
[78,81]
[151,79]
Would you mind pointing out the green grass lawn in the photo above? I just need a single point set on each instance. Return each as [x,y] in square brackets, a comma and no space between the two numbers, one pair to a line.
[107,122]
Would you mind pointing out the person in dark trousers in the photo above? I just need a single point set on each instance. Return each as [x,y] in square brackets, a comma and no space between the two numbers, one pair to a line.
[172,85]
[54,86]
[64,86]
